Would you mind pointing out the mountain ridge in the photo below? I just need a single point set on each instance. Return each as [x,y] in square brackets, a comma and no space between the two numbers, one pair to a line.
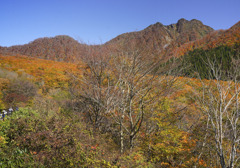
[157,40]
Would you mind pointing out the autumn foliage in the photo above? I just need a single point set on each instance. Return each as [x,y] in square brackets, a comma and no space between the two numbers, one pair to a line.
[121,106]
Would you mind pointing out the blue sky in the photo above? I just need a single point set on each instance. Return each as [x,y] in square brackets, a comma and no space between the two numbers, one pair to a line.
[97,21]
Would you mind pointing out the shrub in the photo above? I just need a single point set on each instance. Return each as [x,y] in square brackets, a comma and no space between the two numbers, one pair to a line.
[19,91]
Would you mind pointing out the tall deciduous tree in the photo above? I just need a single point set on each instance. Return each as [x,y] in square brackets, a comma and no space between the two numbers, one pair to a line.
[136,79]
[92,89]
[117,87]
[219,100]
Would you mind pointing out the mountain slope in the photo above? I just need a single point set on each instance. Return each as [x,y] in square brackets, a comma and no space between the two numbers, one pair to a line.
[158,38]
[214,39]
[59,48]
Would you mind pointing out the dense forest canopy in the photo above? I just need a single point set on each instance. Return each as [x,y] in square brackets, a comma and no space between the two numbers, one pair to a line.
[197,61]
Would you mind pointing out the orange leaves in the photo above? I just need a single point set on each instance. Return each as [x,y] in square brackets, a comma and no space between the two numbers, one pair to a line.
[33,153]
[53,74]
[94,147]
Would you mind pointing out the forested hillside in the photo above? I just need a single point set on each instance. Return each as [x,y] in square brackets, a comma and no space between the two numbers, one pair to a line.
[118,106]
[224,57]
[214,39]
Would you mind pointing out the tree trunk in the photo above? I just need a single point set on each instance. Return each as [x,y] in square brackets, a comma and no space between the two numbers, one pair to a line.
[121,139]
[131,142]
[222,161]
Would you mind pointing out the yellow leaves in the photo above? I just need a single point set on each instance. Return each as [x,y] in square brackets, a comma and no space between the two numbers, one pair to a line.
[184,139]
[3,83]
[105,81]
[2,141]
[168,141]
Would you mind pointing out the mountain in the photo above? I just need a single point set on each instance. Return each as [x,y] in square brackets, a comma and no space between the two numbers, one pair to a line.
[156,40]
[214,39]
[59,48]
[181,32]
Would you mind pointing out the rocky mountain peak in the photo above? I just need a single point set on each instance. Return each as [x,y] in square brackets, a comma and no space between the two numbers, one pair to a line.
[182,21]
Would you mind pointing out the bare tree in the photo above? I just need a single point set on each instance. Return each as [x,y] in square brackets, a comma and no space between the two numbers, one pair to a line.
[133,84]
[136,76]
[91,89]
[117,87]
[219,100]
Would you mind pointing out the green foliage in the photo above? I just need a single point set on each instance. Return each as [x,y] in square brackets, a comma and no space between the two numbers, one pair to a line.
[10,153]
[60,94]
[29,137]
[16,157]
[26,112]
[196,62]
